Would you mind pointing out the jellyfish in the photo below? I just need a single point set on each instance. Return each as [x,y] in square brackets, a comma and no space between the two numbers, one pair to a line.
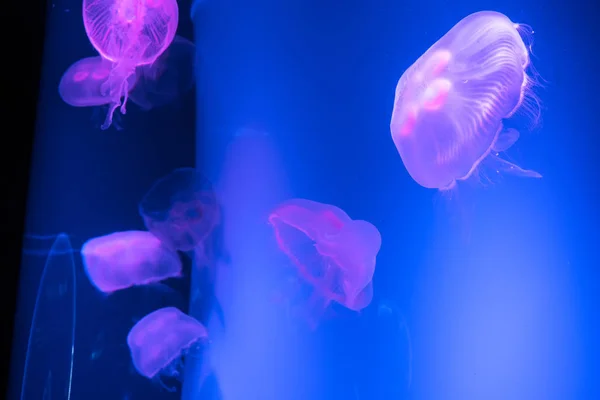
[48,372]
[82,83]
[130,258]
[334,254]
[171,75]
[129,33]
[450,104]
[162,339]
[181,209]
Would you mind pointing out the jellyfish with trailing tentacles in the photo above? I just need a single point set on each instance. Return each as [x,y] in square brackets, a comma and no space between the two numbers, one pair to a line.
[161,340]
[153,85]
[48,372]
[131,258]
[81,84]
[450,105]
[129,33]
[182,210]
[332,253]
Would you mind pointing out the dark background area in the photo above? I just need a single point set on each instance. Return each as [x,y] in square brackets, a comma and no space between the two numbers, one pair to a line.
[24,25]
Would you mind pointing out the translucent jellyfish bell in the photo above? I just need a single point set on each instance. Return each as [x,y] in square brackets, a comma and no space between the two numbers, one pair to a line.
[82,83]
[49,359]
[130,33]
[332,253]
[159,341]
[450,104]
[139,30]
[170,76]
[124,259]
[181,209]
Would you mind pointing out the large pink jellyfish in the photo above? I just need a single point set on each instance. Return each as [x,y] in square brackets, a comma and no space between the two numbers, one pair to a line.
[450,103]
[130,33]
[124,259]
[81,84]
[181,209]
[334,254]
[160,340]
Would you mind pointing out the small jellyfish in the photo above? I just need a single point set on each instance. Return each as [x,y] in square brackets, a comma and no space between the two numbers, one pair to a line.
[171,75]
[129,33]
[334,254]
[181,209]
[81,85]
[159,342]
[124,259]
[450,104]
[48,372]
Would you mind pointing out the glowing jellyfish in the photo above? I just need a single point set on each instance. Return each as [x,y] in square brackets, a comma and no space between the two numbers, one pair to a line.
[181,209]
[159,341]
[49,359]
[334,254]
[170,76]
[450,104]
[130,33]
[124,259]
[82,83]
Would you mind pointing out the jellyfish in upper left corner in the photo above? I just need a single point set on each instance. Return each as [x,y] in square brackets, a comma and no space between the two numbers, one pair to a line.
[182,210]
[162,339]
[82,83]
[333,254]
[153,85]
[450,105]
[129,33]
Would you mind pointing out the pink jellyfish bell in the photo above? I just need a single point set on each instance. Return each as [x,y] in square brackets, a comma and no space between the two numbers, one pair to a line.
[81,84]
[451,104]
[130,33]
[334,254]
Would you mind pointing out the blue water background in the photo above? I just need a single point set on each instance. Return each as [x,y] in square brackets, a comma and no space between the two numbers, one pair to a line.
[509,314]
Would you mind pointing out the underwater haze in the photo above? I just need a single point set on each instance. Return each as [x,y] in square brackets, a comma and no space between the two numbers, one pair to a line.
[312,200]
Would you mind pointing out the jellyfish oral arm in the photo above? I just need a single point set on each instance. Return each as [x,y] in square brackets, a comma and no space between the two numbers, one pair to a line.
[117,86]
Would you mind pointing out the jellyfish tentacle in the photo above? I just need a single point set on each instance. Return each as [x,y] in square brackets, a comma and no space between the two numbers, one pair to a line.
[500,164]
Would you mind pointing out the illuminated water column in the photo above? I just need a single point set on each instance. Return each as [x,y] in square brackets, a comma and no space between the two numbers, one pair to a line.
[257,355]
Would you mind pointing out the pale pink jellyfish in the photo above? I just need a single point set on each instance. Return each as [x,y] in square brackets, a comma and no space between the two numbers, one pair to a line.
[334,254]
[182,210]
[159,342]
[450,104]
[131,258]
[170,76]
[81,84]
[130,33]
